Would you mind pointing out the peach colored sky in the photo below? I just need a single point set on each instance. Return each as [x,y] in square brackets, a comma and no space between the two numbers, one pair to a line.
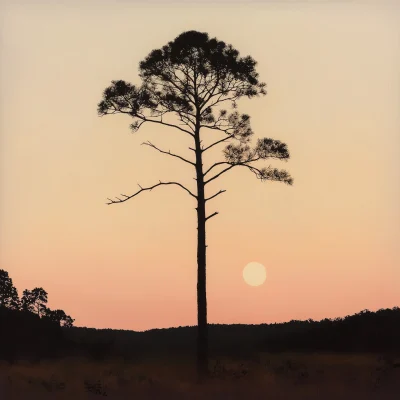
[329,243]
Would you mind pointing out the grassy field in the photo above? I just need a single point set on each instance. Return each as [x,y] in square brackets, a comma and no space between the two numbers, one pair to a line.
[264,376]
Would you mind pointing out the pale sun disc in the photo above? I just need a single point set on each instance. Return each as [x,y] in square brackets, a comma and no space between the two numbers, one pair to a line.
[254,274]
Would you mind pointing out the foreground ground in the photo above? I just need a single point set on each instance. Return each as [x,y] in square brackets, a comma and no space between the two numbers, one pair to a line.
[265,376]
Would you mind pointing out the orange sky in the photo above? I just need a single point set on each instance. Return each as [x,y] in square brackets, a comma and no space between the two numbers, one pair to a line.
[329,243]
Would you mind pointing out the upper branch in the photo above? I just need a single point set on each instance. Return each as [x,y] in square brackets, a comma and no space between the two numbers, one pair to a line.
[148,188]
[264,174]
[220,173]
[214,165]
[168,152]
[243,155]
[218,141]
[124,98]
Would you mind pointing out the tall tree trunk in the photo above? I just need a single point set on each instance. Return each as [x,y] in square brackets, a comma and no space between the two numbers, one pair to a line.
[202,328]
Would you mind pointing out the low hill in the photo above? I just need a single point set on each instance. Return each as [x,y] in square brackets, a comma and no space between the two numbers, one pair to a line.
[25,335]
[363,332]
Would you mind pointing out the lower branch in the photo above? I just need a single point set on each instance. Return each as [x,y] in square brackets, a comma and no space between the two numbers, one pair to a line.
[212,215]
[148,188]
[216,194]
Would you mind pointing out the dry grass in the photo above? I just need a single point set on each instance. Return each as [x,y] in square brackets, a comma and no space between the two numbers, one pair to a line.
[267,376]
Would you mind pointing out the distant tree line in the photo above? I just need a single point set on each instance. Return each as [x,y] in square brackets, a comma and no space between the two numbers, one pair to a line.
[34,301]
[364,332]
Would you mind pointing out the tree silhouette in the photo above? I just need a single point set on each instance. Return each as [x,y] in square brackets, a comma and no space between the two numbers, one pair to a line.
[8,292]
[35,301]
[59,317]
[191,78]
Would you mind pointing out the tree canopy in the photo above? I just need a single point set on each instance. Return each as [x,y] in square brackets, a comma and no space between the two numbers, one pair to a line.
[191,78]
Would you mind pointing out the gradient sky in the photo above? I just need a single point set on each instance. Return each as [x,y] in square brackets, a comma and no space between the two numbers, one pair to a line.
[329,243]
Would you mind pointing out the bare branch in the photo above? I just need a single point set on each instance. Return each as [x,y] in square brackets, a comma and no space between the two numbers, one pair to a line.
[218,141]
[149,188]
[168,152]
[215,195]
[212,215]
[220,173]
[146,119]
[213,166]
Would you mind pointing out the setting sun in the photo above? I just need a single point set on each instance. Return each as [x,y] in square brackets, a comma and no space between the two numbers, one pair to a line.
[254,274]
